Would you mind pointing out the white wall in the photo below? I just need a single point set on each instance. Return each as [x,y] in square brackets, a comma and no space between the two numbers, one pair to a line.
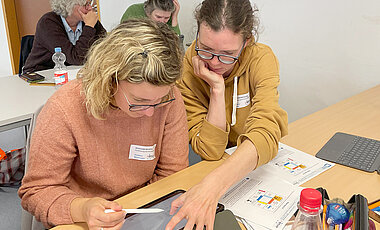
[328,50]
[5,60]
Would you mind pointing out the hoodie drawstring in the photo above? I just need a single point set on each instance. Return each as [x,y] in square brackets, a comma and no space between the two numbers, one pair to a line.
[234,102]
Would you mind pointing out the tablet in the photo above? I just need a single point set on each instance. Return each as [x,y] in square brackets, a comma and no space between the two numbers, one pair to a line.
[157,221]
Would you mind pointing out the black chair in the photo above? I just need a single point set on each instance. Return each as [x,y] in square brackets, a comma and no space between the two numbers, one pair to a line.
[26,47]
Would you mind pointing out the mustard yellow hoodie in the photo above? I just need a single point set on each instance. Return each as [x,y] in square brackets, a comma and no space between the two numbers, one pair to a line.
[254,104]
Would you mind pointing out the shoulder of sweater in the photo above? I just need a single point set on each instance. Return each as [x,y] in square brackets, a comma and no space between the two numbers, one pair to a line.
[69,94]
[254,52]
[136,6]
[259,48]
[49,17]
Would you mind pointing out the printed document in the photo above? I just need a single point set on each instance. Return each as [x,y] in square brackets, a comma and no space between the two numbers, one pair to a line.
[295,166]
[267,197]
[269,202]
[292,165]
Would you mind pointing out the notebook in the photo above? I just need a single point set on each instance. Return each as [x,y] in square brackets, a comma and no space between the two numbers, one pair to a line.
[352,151]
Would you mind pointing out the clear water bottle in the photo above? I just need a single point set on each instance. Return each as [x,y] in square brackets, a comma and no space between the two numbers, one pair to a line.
[308,216]
[60,71]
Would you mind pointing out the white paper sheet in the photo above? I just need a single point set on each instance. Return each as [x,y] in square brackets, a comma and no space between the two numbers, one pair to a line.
[267,197]
[269,202]
[293,165]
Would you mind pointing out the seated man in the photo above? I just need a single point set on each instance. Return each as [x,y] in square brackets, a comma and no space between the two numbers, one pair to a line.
[118,127]
[165,11]
[72,25]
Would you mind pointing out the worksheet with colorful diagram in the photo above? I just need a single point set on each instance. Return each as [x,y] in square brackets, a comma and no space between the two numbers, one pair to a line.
[269,202]
[267,197]
[295,166]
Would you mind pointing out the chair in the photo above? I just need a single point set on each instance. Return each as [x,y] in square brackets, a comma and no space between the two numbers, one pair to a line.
[26,47]
[181,37]
[29,222]
[193,157]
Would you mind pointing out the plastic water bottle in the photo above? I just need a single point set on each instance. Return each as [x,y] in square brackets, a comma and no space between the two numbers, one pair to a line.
[308,216]
[60,71]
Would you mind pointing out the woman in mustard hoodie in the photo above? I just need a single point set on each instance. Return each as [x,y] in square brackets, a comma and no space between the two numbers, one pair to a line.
[229,87]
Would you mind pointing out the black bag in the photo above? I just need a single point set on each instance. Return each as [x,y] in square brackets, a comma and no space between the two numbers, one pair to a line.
[358,203]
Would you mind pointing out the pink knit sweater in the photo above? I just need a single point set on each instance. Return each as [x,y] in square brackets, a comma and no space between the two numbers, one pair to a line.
[74,155]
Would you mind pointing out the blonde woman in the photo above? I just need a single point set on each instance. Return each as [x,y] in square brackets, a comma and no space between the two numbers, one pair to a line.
[72,25]
[118,127]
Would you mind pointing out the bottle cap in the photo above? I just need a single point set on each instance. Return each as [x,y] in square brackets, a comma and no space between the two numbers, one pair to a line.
[310,200]
[57,49]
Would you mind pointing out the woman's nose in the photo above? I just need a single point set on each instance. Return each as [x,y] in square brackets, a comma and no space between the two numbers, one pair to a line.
[214,60]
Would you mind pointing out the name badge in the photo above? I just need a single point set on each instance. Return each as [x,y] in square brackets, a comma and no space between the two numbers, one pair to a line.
[243,100]
[142,153]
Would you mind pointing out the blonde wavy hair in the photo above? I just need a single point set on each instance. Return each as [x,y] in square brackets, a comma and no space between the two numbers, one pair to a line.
[65,7]
[138,50]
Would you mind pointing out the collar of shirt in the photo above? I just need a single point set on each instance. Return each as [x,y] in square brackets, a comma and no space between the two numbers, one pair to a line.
[73,36]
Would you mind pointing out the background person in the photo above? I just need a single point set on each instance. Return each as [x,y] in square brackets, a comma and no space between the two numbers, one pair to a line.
[229,87]
[72,25]
[165,11]
[118,127]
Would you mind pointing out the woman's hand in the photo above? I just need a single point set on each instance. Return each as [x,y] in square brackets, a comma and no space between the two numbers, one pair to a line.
[214,80]
[175,13]
[91,211]
[198,206]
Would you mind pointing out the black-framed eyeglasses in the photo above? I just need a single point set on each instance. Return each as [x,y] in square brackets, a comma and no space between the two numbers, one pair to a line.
[164,101]
[223,58]
[88,3]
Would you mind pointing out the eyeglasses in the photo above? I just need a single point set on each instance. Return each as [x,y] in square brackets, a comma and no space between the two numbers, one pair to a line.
[164,101]
[223,58]
[88,3]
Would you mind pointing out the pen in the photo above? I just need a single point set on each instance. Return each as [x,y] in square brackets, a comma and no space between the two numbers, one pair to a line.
[42,84]
[324,217]
[138,210]
[245,223]
[350,220]
[374,205]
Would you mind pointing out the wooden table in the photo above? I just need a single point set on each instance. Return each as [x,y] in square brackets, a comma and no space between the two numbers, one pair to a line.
[358,115]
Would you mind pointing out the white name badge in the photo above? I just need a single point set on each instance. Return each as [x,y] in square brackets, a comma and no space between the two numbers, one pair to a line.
[243,100]
[142,153]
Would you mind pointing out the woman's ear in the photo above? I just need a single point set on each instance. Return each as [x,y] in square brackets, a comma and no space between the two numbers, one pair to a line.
[248,41]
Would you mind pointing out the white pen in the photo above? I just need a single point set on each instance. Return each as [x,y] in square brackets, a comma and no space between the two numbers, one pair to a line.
[245,223]
[138,210]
